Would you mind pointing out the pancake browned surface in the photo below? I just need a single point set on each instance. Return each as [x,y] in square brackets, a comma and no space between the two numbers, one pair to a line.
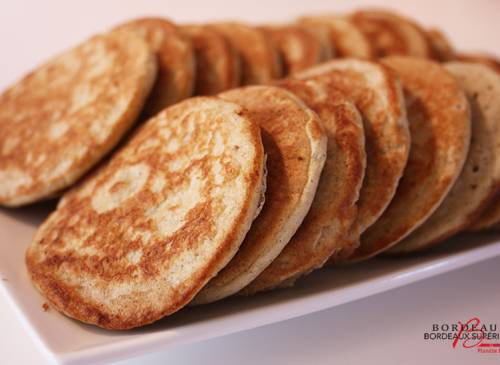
[176,61]
[328,223]
[439,118]
[299,47]
[61,119]
[140,237]
[346,38]
[217,61]
[391,34]
[480,176]
[295,144]
[377,93]
[441,47]
[260,60]
[321,32]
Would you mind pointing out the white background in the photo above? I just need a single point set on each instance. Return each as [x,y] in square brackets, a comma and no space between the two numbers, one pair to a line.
[30,31]
[387,328]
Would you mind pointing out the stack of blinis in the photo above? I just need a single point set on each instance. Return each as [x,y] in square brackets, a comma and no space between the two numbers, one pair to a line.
[326,141]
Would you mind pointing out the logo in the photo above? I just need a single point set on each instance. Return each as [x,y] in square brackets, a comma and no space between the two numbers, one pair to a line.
[470,335]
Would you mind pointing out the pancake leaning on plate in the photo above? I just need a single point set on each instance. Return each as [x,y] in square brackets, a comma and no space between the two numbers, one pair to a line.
[260,59]
[327,226]
[391,34]
[346,38]
[299,47]
[137,239]
[176,61]
[441,47]
[295,144]
[377,93]
[490,218]
[62,118]
[480,176]
[439,118]
[321,32]
[217,61]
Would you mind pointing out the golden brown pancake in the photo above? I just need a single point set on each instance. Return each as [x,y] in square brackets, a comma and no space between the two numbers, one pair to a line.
[346,38]
[439,118]
[333,211]
[299,48]
[391,34]
[260,60]
[140,237]
[295,144]
[377,93]
[176,61]
[62,118]
[217,61]
[480,176]
[321,32]
[441,47]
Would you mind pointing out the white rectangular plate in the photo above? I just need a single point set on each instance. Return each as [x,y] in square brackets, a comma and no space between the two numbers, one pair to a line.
[67,341]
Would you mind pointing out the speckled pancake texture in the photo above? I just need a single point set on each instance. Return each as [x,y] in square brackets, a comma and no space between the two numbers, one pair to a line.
[439,119]
[295,144]
[327,227]
[479,180]
[377,93]
[176,61]
[62,118]
[139,238]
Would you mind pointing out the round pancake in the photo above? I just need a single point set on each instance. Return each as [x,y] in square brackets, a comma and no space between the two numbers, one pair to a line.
[176,61]
[439,118]
[299,48]
[441,47]
[391,34]
[139,238]
[217,61]
[260,61]
[333,211]
[295,144]
[321,32]
[62,118]
[347,39]
[480,176]
[377,93]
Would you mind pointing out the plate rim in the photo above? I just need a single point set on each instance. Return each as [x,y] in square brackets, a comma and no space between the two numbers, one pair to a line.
[259,317]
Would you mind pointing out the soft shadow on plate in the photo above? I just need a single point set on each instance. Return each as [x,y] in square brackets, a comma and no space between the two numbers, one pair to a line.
[33,214]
